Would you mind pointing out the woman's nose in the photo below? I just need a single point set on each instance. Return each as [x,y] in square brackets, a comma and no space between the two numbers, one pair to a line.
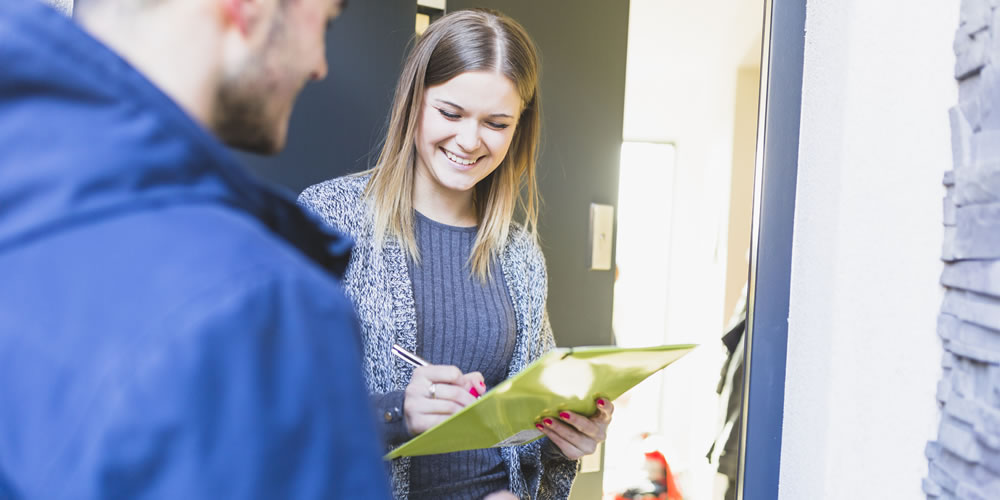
[468,136]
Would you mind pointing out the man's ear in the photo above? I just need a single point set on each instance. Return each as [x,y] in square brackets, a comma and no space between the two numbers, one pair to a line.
[241,14]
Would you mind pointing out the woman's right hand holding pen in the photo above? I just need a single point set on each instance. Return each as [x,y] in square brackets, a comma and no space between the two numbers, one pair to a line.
[436,392]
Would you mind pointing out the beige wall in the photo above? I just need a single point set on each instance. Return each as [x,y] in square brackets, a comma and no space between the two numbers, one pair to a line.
[681,88]
[741,192]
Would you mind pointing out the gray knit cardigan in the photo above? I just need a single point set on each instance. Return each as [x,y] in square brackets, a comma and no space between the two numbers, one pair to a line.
[378,283]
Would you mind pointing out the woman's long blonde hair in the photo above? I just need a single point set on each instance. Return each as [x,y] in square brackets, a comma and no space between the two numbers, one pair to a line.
[463,41]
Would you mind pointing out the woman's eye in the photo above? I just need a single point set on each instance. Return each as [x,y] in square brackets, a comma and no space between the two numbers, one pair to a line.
[450,116]
[498,126]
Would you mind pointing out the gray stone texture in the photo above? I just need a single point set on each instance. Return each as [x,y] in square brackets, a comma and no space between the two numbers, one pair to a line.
[961,143]
[947,244]
[977,231]
[977,183]
[970,103]
[964,459]
[981,276]
[949,208]
[969,340]
[990,108]
[972,307]
[970,49]
[975,16]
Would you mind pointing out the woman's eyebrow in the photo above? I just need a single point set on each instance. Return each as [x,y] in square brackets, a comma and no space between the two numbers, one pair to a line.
[456,106]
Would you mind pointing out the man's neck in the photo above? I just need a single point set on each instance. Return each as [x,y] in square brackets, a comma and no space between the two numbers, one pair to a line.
[158,43]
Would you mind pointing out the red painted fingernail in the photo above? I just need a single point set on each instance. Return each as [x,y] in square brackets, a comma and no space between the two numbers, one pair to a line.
[564,415]
[539,426]
[473,392]
[600,402]
[482,384]
[547,421]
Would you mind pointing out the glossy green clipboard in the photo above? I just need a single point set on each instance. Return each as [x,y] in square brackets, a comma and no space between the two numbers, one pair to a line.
[563,379]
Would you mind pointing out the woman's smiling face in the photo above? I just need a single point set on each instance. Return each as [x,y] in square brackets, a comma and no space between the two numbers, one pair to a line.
[465,129]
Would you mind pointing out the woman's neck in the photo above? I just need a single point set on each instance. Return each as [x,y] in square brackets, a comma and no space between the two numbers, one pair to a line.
[454,208]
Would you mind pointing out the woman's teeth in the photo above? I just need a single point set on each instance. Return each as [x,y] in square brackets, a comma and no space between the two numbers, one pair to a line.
[457,159]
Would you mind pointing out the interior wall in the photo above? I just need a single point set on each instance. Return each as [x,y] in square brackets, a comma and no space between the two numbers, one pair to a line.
[863,357]
[338,122]
[682,88]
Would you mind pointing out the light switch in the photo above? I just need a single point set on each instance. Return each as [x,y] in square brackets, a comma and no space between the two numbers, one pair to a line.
[602,226]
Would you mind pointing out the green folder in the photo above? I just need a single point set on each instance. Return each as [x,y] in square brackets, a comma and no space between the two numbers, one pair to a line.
[563,379]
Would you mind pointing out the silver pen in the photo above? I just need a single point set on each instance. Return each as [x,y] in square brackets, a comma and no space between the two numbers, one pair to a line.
[408,356]
[415,360]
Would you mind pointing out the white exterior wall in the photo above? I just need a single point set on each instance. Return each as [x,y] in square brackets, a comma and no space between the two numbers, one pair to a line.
[863,353]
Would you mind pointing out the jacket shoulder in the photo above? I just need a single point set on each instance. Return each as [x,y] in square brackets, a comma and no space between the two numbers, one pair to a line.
[214,304]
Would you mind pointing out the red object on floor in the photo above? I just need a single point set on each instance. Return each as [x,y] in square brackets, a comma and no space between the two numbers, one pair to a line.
[672,492]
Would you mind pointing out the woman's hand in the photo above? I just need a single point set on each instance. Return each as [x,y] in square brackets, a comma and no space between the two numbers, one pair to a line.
[500,495]
[576,435]
[436,392]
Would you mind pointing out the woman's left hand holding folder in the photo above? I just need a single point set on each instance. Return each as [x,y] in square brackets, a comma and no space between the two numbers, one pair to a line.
[576,435]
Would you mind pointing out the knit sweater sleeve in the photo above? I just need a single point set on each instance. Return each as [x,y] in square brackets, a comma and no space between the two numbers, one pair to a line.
[389,413]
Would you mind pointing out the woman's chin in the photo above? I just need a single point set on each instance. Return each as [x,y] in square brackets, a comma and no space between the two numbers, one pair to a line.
[459,185]
[463,189]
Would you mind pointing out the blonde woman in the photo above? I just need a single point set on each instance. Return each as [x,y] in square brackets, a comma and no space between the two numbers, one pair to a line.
[440,266]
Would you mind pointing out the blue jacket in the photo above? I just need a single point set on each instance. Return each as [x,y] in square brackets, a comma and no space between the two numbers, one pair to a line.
[169,328]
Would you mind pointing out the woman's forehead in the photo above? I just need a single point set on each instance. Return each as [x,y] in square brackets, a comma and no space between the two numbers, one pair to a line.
[478,91]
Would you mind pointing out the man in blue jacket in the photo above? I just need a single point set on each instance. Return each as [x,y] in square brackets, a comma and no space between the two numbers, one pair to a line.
[169,327]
